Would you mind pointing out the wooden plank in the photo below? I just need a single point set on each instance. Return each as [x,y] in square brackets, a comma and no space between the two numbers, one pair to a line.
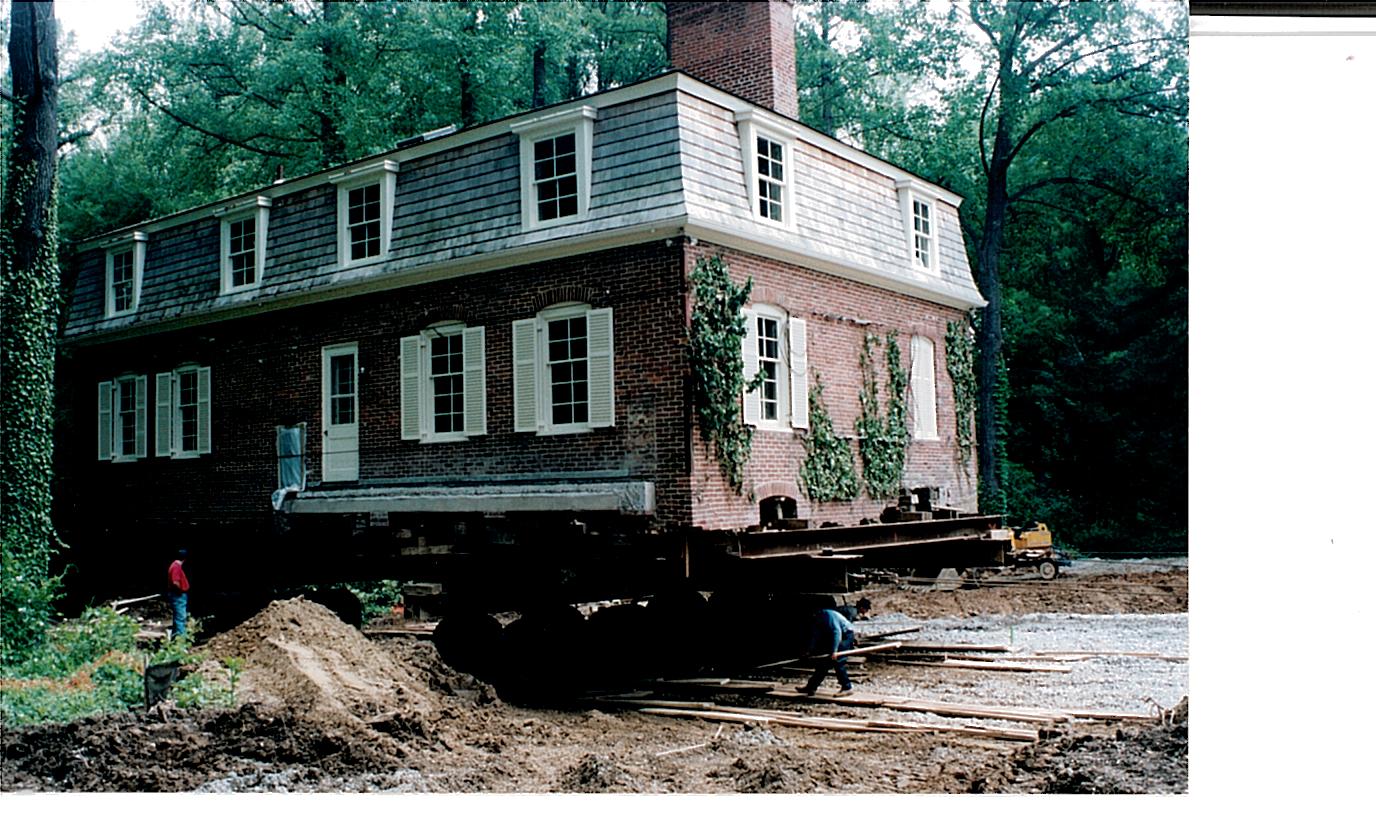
[951,646]
[983,666]
[1142,654]
[862,650]
[937,708]
[841,725]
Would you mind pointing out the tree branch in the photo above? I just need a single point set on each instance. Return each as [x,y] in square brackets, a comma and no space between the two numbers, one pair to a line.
[262,151]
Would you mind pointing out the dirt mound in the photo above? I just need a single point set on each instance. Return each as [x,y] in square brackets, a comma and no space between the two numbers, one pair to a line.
[1160,592]
[299,655]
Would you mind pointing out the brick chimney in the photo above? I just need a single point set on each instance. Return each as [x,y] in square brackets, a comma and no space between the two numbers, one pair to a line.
[744,48]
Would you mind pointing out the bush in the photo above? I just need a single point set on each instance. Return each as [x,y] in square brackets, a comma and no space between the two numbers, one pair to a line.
[93,665]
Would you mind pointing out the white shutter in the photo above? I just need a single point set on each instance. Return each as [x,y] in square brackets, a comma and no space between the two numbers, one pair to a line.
[601,379]
[162,416]
[924,387]
[797,370]
[104,418]
[750,353]
[203,410]
[410,387]
[523,398]
[141,417]
[475,381]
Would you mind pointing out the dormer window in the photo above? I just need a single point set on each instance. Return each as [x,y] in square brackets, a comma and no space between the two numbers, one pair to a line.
[556,167]
[919,217]
[243,244]
[365,196]
[124,275]
[767,146]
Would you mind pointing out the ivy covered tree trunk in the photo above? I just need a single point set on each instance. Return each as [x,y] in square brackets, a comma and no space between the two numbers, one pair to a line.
[29,283]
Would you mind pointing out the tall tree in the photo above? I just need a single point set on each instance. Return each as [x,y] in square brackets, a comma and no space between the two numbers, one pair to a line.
[1051,65]
[29,286]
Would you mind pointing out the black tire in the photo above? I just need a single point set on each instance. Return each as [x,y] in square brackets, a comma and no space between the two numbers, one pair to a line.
[1048,570]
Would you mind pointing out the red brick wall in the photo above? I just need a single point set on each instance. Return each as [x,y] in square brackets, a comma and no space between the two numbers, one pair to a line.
[744,48]
[266,371]
[838,314]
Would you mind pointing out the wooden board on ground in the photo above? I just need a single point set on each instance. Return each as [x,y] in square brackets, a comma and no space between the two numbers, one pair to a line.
[984,666]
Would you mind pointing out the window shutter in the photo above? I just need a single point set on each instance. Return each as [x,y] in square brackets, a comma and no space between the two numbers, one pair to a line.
[410,387]
[203,410]
[797,370]
[523,401]
[924,387]
[105,408]
[162,416]
[475,381]
[141,417]
[750,353]
[601,379]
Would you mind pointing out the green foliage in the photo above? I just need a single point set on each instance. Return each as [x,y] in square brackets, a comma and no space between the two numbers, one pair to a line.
[828,471]
[93,665]
[960,364]
[714,358]
[378,597]
[883,430]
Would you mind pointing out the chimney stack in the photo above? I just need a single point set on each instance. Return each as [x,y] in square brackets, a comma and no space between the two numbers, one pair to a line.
[744,48]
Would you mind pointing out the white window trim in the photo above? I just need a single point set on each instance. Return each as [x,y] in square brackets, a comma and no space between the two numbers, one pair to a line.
[117,453]
[579,122]
[384,174]
[543,389]
[784,421]
[909,193]
[750,126]
[924,396]
[137,242]
[174,415]
[258,208]
[427,393]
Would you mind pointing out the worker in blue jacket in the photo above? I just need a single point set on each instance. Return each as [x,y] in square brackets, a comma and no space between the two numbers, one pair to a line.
[832,632]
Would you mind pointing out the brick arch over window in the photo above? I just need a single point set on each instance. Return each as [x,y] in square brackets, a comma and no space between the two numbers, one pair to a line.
[556,295]
[776,489]
[438,313]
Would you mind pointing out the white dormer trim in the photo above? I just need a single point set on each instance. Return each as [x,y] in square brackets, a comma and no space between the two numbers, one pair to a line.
[911,193]
[137,243]
[753,124]
[257,207]
[577,121]
[384,174]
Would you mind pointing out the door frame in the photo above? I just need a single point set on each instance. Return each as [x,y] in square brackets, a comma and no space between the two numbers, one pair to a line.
[326,354]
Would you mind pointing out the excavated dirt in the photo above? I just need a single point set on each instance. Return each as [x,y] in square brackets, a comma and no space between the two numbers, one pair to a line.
[324,708]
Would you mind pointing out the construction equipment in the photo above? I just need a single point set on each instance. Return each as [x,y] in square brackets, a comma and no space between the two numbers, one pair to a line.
[1031,546]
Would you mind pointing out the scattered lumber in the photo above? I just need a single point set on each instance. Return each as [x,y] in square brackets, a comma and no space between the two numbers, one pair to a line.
[984,666]
[719,683]
[863,650]
[915,645]
[748,715]
[972,711]
[119,604]
[1088,654]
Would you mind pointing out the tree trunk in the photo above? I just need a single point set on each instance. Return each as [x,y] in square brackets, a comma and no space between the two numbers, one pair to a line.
[537,75]
[29,295]
[332,150]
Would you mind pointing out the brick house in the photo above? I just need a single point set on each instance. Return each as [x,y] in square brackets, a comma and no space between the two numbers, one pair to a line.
[491,325]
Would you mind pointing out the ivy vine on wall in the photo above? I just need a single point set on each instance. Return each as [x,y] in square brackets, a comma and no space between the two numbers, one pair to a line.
[828,471]
[960,363]
[883,430]
[714,350]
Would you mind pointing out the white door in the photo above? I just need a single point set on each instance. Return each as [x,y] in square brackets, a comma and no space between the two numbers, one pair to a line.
[339,413]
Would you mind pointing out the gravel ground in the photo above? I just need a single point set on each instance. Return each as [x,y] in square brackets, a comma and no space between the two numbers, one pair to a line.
[1092,565]
[1121,683]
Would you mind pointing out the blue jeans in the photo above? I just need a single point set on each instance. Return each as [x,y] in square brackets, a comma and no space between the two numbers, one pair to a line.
[178,599]
[825,664]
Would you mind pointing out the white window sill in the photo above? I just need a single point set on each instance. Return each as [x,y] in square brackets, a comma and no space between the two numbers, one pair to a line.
[123,459]
[776,427]
[926,438]
[112,315]
[350,265]
[242,289]
[553,222]
[193,454]
[563,430]
[442,438]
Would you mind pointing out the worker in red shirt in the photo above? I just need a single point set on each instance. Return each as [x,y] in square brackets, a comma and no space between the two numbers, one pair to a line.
[177,589]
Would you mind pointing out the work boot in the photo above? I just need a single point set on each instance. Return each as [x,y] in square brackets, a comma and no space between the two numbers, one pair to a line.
[805,690]
[845,692]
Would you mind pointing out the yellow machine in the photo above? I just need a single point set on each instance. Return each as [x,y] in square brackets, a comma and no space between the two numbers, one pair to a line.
[1032,547]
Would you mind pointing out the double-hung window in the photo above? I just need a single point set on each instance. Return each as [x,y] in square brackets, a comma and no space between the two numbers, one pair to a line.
[243,244]
[181,421]
[918,211]
[767,147]
[124,275]
[556,166]
[774,349]
[444,383]
[364,211]
[121,433]
[563,373]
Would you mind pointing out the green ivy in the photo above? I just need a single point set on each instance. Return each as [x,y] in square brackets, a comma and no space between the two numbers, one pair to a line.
[883,431]
[714,350]
[828,471]
[960,364]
